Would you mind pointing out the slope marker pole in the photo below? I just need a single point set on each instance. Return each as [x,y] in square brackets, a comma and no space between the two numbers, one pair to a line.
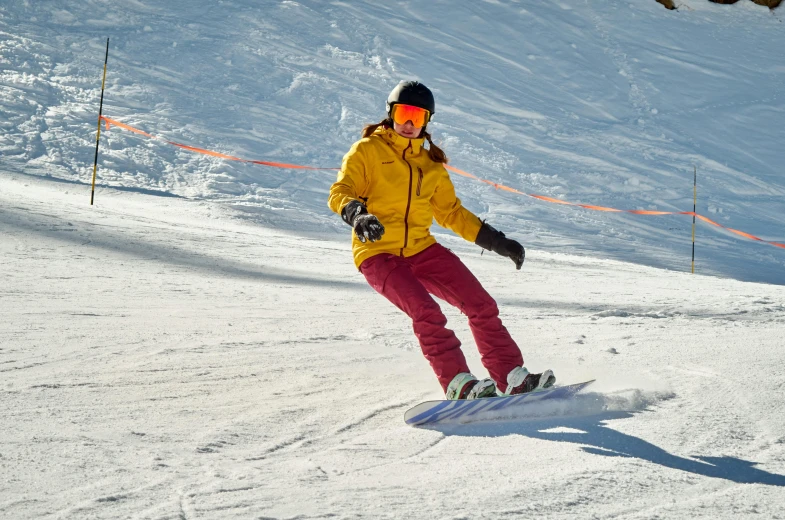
[694,209]
[98,132]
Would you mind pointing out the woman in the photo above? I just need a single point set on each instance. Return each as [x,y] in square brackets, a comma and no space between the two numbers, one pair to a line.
[389,190]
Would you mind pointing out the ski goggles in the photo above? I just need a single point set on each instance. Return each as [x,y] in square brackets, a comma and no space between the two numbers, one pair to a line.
[403,113]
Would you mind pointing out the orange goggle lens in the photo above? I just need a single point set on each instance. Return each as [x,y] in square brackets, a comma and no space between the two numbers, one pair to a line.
[403,113]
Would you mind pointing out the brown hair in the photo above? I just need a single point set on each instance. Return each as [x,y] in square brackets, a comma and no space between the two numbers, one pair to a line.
[434,152]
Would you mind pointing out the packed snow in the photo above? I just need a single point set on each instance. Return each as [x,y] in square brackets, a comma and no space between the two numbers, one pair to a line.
[198,343]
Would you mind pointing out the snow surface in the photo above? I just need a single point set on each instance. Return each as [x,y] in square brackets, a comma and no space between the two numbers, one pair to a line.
[607,103]
[198,344]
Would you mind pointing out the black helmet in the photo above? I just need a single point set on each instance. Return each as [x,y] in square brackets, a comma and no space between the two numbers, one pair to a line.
[411,93]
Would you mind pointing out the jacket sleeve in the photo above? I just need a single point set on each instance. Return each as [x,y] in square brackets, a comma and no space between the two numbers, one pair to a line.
[352,180]
[450,213]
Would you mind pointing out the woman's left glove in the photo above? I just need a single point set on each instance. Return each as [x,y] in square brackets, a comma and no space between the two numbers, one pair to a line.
[366,226]
[493,240]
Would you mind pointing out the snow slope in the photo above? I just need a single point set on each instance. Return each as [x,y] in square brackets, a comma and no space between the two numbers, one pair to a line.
[161,359]
[608,103]
[198,344]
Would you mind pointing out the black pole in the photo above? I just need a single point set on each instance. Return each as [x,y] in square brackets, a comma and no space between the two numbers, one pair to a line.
[98,132]
[694,211]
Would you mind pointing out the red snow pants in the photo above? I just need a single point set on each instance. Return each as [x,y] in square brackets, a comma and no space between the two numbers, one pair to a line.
[409,283]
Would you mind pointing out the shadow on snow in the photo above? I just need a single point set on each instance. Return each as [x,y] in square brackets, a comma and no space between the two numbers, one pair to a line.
[596,437]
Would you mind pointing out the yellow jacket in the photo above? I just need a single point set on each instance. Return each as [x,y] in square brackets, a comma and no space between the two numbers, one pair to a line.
[394,177]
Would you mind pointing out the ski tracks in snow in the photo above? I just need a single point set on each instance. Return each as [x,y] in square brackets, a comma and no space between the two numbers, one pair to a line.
[238,474]
[620,59]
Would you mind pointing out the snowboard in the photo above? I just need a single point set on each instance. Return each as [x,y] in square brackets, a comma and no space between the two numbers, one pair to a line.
[433,412]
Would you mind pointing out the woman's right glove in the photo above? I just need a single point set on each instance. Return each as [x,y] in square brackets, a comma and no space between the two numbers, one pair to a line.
[492,240]
[366,226]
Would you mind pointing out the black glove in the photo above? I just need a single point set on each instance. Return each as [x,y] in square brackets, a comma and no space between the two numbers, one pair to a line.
[492,240]
[366,226]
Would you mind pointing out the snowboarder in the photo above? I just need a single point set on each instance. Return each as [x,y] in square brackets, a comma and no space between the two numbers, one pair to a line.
[389,190]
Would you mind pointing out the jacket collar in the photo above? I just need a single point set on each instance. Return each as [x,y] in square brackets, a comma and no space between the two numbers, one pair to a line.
[399,142]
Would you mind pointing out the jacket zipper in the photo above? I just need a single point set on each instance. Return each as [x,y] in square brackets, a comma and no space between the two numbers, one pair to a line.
[408,202]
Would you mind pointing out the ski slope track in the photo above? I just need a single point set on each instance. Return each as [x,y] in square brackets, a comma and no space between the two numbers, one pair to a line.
[198,344]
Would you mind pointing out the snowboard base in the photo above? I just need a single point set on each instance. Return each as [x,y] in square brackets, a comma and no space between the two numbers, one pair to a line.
[432,412]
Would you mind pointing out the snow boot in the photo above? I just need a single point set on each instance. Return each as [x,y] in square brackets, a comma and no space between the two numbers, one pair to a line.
[520,381]
[466,386]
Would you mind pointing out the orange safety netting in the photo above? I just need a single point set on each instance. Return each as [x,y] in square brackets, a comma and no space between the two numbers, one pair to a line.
[109,122]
